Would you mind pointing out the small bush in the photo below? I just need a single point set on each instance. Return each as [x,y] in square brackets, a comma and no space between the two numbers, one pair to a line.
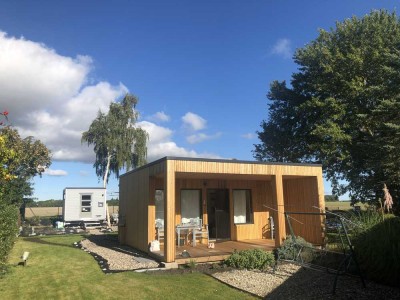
[378,251]
[251,259]
[290,249]
[191,264]
[34,221]
[46,221]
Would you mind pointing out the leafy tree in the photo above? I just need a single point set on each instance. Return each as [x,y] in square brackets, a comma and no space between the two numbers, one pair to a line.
[117,142]
[330,198]
[113,202]
[342,108]
[28,158]
[20,160]
[45,203]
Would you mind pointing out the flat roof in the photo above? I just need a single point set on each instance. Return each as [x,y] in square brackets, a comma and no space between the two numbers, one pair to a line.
[84,188]
[233,161]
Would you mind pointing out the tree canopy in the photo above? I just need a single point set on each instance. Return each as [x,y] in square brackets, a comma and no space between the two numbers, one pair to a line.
[21,160]
[117,141]
[342,107]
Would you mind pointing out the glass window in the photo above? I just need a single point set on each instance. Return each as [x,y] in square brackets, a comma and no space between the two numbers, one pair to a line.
[190,205]
[242,209]
[86,203]
[159,202]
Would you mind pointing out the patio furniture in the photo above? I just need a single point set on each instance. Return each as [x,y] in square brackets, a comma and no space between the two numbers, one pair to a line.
[200,232]
[160,229]
[187,228]
[160,233]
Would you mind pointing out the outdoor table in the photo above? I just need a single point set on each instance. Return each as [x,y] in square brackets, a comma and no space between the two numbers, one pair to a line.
[185,227]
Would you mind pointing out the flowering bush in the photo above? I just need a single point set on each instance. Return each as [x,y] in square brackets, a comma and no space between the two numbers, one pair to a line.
[4,119]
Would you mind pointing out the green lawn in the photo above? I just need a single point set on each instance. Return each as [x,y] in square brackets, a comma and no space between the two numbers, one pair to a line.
[57,270]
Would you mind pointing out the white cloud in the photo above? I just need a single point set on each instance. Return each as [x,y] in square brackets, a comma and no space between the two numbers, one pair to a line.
[61,130]
[48,97]
[51,172]
[160,117]
[52,97]
[160,144]
[201,137]
[282,48]
[248,136]
[193,121]
[32,76]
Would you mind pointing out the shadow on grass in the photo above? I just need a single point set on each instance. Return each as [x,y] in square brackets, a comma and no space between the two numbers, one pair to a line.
[111,241]
[40,240]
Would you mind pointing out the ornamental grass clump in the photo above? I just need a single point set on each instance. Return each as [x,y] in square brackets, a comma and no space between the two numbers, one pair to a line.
[361,221]
[250,259]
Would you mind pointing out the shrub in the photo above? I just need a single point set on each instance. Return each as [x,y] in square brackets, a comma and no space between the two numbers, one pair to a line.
[46,221]
[191,264]
[250,259]
[34,221]
[8,230]
[378,251]
[290,249]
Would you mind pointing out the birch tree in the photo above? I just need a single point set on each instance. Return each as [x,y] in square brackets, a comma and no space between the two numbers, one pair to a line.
[117,142]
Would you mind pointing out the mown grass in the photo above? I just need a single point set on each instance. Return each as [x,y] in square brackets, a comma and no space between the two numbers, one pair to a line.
[57,270]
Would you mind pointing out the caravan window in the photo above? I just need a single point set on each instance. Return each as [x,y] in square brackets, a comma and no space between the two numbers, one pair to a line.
[86,203]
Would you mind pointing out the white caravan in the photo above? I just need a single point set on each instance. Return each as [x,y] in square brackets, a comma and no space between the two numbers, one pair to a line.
[84,206]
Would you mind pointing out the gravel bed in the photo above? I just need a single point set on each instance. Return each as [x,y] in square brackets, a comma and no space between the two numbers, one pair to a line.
[289,281]
[118,258]
[293,282]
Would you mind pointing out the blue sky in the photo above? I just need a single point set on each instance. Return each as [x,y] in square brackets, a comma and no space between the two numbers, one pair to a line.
[201,70]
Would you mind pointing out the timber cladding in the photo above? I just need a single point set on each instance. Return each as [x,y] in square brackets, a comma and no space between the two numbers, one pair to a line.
[274,188]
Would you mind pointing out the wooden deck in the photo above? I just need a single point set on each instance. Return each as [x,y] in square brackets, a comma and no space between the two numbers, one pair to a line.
[223,249]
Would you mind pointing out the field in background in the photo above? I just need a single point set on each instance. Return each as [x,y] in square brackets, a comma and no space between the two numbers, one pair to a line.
[338,205]
[342,205]
[53,211]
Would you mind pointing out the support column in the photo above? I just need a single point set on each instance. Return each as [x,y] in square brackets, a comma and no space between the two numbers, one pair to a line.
[169,211]
[321,205]
[280,226]
[151,212]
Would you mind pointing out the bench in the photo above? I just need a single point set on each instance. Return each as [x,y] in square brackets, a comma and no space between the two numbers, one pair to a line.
[24,257]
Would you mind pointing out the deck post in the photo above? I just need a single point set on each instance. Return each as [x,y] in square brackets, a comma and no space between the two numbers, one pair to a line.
[169,211]
[280,227]
[151,212]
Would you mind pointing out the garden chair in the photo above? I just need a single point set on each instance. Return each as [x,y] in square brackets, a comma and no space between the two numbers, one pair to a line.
[200,232]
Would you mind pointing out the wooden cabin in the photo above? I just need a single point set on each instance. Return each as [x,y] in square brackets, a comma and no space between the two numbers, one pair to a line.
[235,200]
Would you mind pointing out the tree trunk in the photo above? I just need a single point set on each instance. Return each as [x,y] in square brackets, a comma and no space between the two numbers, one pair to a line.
[106,173]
